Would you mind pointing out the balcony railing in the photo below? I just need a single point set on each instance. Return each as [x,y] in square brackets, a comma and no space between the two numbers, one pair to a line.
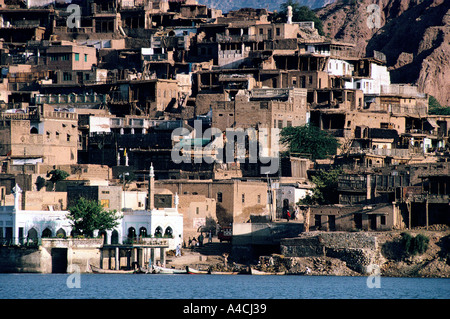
[20,241]
[69,98]
[62,29]
[241,38]
[398,152]
[156,57]
[153,241]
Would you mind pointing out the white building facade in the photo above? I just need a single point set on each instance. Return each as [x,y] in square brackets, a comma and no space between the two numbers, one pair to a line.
[18,227]
[28,226]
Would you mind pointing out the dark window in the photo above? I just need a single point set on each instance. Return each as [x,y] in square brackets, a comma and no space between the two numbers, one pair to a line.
[47,233]
[67,76]
[168,232]
[318,221]
[358,221]
[331,222]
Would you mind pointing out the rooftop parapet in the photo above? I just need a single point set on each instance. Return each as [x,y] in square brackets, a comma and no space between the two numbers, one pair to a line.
[402,90]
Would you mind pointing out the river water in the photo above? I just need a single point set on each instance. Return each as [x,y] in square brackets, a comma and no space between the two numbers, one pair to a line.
[129,286]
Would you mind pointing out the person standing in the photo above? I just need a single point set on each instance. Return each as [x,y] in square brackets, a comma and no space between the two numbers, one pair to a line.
[200,240]
[210,237]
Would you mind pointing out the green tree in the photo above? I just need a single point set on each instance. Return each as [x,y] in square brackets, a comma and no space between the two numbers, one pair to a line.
[299,13]
[56,176]
[434,108]
[414,245]
[325,190]
[309,139]
[40,182]
[88,215]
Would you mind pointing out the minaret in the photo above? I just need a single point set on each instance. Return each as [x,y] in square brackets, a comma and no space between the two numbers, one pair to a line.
[151,188]
[177,200]
[17,191]
[289,15]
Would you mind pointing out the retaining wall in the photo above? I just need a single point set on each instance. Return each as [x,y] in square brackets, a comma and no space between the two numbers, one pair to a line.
[358,250]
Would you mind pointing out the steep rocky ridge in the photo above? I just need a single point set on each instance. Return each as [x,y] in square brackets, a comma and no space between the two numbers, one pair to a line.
[270,5]
[413,34]
[417,48]
[355,254]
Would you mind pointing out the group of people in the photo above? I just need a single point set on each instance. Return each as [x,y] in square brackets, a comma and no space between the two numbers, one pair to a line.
[293,215]
[198,241]
[192,243]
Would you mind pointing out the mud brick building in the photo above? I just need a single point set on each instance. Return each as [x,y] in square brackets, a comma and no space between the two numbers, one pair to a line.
[39,137]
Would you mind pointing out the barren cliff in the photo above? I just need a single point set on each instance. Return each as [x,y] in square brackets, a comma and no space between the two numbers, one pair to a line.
[413,34]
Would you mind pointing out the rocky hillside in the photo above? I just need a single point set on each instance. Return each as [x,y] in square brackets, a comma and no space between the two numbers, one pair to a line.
[389,255]
[413,34]
[270,5]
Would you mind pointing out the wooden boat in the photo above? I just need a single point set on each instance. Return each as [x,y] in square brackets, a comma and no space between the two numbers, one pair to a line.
[223,272]
[259,272]
[97,270]
[193,271]
[163,270]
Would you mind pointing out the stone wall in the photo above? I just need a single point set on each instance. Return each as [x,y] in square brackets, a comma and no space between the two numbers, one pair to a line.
[53,256]
[358,250]
[348,240]
[15,259]
[302,247]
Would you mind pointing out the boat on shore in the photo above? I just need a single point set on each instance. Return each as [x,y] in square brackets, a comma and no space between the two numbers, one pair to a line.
[223,272]
[259,272]
[97,270]
[163,270]
[194,271]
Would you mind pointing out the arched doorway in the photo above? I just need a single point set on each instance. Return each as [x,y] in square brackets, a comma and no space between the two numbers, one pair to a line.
[142,232]
[168,232]
[32,236]
[131,233]
[105,236]
[114,237]
[61,233]
[47,233]
[158,231]
[285,208]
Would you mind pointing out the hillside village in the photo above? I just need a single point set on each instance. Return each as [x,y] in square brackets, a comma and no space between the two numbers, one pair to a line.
[100,92]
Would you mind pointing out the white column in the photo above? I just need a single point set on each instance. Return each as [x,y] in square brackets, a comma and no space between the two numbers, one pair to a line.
[108,237]
[17,191]
[117,258]
[120,237]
